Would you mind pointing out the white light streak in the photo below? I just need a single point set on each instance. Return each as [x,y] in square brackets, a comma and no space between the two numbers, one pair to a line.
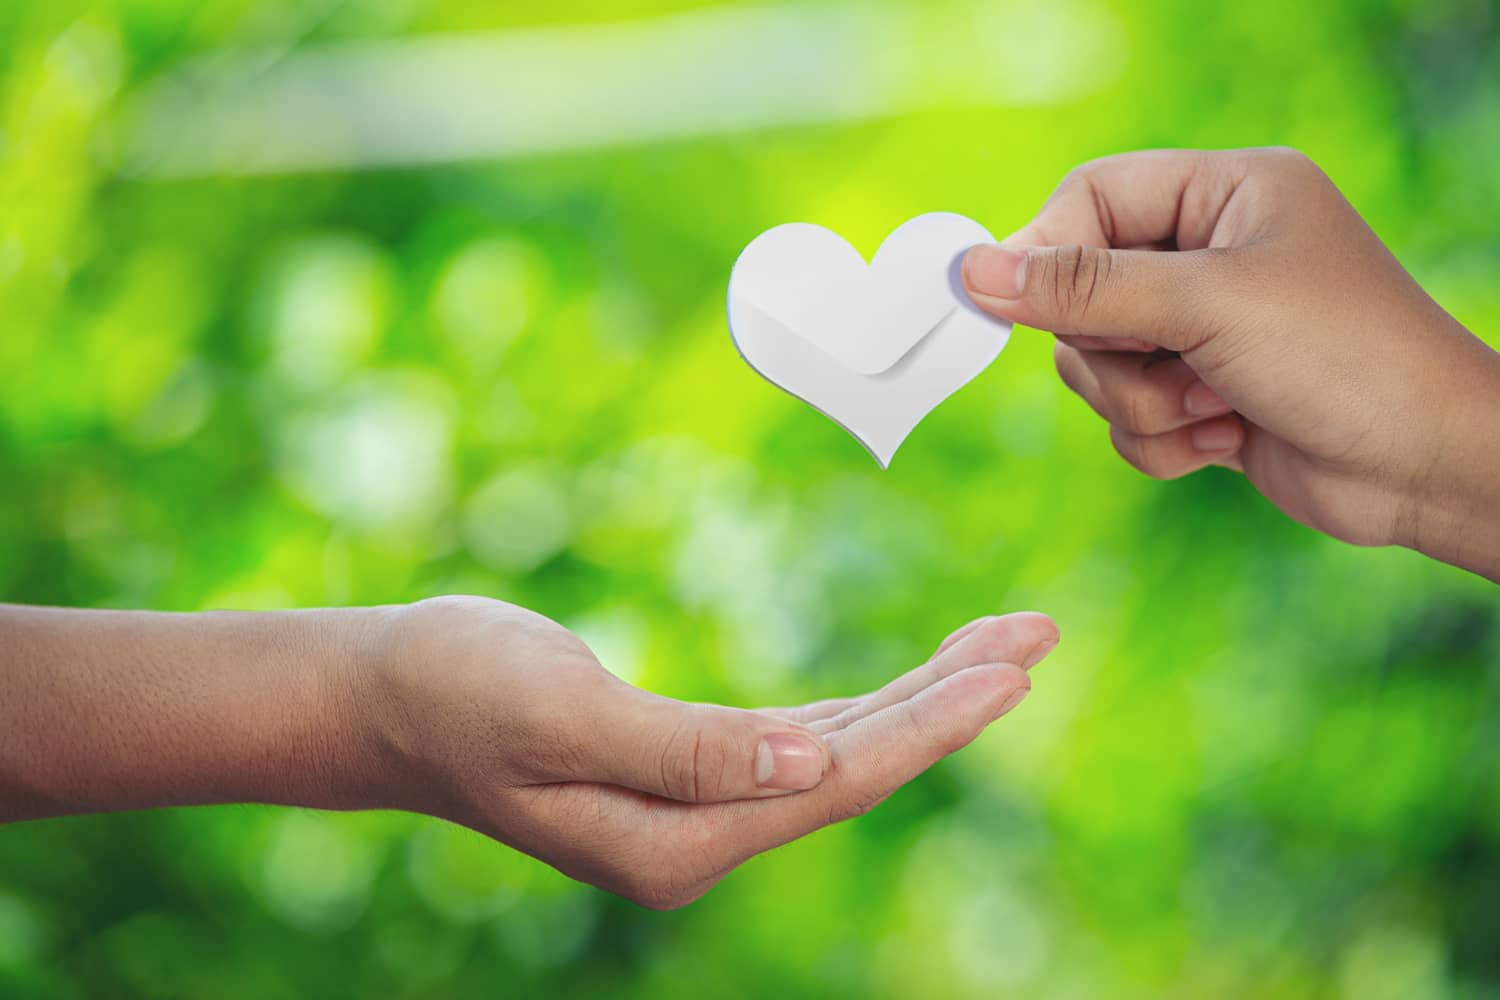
[730,69]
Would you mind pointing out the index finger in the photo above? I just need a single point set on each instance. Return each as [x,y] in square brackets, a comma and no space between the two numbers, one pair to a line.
[1159,197]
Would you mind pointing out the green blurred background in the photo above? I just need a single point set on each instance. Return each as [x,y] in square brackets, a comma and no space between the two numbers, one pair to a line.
[299,309]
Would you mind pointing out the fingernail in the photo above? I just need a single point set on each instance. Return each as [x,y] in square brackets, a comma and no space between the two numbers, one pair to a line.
[1014,699]
[788,761]
[1201,401]
[1216,436]
[998,272]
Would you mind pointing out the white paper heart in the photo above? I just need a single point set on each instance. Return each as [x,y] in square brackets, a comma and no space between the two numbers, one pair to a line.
[873,346]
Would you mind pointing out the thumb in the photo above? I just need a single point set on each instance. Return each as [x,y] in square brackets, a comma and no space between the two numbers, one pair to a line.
[1157,296]
[701,753]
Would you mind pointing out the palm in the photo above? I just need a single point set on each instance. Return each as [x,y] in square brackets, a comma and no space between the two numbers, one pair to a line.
[667,852]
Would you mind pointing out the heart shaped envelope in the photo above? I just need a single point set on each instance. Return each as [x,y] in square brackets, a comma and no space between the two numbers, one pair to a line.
[874,346]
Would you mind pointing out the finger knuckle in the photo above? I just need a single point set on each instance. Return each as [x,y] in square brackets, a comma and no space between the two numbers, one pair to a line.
[1163,456]
[696,761]
[1077,273]
[1284,166]
[1071,181]
[1132,410]
[680,760]
[1135,450]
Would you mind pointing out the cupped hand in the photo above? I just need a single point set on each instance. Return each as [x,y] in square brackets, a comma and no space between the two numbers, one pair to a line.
[492,716]
[1232,308]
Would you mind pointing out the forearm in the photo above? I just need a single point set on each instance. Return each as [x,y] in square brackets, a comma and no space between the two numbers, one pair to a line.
[105,710]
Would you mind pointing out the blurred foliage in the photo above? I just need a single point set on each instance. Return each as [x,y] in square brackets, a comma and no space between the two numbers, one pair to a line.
[1260,763]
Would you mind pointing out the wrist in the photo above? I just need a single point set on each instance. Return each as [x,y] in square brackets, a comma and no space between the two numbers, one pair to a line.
[371,763]
[438,705]
[1452,513]
[388,692]
[320,745]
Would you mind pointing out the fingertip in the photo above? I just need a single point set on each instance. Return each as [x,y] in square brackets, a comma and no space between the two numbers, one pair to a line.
[1221,434]
[1013,700]
[1023,637]
[1041,620]
[1039,652]
[1201,401]
[1011,684]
